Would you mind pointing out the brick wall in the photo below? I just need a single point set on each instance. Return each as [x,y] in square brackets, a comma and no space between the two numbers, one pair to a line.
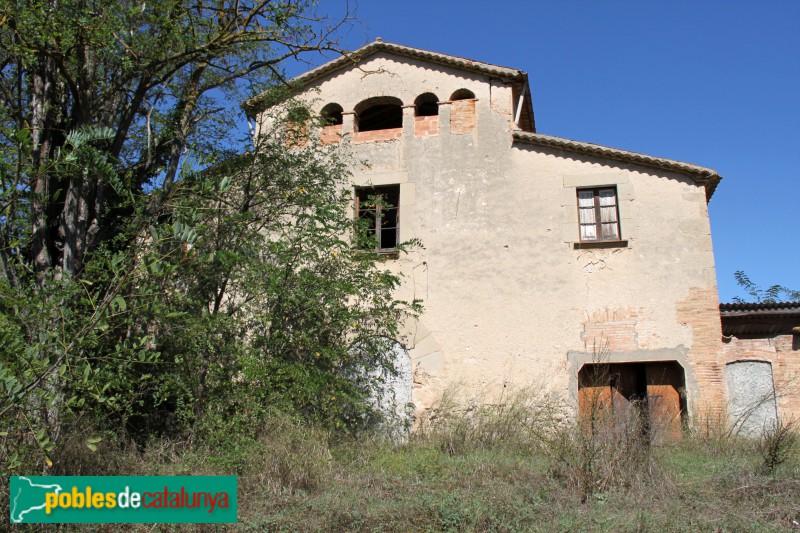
[611,335]
[296,135]
[700,311]
[331,134]
[783,353]
[378,135]
[462,116]
[424,126]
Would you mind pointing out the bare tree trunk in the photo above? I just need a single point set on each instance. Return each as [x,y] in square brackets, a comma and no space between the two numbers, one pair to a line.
[42,100]
[76,219]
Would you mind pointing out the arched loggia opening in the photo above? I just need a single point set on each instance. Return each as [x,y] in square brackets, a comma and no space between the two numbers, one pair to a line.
[426,105]
[462,94]
[379,113]
[332,114]
[426,115]
[332,123]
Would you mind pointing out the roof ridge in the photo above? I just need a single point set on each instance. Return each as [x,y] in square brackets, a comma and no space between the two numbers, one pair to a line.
[435,53]
[379,44]
[353,58]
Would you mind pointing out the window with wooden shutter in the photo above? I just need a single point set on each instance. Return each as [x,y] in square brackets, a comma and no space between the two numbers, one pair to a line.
[598,214]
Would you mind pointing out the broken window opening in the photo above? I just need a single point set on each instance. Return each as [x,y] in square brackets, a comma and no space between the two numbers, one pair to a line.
[377,212]
[332,114]
[380,113]
[426,105]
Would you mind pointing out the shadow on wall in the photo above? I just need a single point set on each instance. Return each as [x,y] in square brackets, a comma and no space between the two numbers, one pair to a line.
[394,397]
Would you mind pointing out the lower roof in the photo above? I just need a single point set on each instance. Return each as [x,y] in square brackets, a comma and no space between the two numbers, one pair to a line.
[707,177]
[771,318]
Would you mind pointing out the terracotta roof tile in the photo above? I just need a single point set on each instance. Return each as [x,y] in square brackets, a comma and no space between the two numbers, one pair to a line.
[775,318]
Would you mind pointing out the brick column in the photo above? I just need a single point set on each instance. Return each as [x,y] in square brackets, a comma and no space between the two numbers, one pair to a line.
[700,311]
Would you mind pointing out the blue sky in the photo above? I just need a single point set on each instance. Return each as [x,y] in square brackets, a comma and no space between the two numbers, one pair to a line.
[715,83]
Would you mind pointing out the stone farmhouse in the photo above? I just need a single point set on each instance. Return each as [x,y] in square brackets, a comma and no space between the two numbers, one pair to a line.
[545,260]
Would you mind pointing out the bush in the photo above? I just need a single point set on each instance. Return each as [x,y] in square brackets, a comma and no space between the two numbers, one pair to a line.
[776,445]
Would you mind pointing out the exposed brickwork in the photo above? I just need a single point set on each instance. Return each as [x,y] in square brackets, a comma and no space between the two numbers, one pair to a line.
[462,116]
[783,353]
[617,329]
[330,134]
[613,335]
[424,126]
[700,311]
[296,135]
[378,135]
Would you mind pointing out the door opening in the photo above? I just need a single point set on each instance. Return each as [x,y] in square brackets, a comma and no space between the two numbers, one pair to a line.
[646,397]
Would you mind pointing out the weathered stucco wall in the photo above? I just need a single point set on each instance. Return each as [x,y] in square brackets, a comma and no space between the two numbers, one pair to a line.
[509,299]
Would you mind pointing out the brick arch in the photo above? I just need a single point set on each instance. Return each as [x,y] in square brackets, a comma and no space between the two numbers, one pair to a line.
[462,94]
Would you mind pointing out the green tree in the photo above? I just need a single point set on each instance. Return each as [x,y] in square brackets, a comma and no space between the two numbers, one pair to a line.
[755,293]
[137,294]
[150,75]
[269,261]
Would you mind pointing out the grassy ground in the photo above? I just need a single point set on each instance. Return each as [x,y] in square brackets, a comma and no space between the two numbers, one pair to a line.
[418,487]
[480,476]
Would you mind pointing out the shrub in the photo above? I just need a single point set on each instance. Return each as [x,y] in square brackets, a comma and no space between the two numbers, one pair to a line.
[776,445]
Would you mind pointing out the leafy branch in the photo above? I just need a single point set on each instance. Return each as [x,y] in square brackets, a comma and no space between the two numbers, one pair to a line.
[772,294]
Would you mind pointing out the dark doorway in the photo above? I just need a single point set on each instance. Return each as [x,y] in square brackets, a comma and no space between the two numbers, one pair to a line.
[636,396]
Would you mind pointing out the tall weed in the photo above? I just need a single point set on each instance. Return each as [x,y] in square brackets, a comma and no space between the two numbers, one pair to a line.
[519,419]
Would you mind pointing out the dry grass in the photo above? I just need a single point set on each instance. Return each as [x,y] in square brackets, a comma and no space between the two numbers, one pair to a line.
[479,468]
[523,419]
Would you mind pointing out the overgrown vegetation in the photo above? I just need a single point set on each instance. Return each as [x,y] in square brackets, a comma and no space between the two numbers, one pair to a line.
[153,288]
[503,476]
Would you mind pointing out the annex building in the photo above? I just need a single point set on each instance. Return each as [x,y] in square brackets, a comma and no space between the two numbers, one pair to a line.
[585,270]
